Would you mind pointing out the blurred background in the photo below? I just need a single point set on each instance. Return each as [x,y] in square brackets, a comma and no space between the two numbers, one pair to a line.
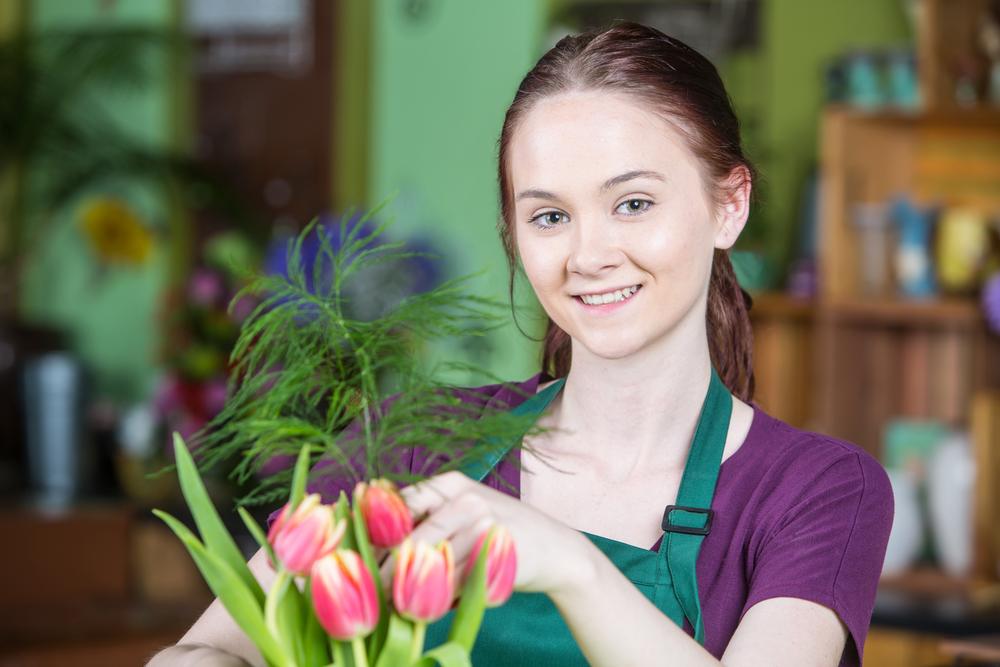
[148,148]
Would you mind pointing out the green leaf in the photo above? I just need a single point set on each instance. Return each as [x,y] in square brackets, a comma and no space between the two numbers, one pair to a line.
[472,604]
[284,615]
[292,614]
[314,639]
[227,586]
[342,510]
[217,539]
[446,655]
[299,478]
[257,532]
[396,650]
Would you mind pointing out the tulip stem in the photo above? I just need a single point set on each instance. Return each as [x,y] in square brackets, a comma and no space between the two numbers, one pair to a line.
[338,653]
[271,603]
[360,656]
[417,645]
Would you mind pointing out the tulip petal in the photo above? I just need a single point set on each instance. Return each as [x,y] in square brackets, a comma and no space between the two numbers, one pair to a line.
[386,515]
[344,596]
[302,536]
[424,581]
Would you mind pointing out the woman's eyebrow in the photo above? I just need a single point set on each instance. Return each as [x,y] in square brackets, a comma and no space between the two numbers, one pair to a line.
[608,184]
[630,175]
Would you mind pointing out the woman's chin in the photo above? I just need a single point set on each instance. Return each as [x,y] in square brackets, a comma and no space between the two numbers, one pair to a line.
[611,350]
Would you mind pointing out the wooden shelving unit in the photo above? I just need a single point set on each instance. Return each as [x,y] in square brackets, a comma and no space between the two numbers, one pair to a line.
[849,362]
[886,357]
[845,365]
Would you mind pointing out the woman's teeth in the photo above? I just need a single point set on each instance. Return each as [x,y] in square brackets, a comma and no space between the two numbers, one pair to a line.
[609,297]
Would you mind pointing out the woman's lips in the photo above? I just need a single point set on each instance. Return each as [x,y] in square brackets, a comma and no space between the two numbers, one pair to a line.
[605,308]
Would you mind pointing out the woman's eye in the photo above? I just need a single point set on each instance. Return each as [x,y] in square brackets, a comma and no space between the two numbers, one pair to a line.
[635,206]
[546,220]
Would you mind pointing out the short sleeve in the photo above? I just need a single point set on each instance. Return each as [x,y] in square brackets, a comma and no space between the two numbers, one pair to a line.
[829,545]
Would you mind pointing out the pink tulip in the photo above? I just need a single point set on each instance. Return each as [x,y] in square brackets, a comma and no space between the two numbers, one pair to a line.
[343,593]
[424,580]
[301,538]
[386,515]
[501,565]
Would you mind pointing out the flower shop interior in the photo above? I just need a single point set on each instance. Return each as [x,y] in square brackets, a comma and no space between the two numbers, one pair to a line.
[157,153]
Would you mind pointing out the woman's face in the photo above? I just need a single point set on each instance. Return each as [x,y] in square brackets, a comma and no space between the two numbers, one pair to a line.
[613,224]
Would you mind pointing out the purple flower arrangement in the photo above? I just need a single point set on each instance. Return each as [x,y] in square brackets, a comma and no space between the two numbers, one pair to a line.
[202,322]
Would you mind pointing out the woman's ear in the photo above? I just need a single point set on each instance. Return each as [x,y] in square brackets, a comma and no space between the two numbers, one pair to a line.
[731,216]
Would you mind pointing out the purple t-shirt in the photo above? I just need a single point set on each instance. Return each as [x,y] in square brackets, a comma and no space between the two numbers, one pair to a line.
[797,514]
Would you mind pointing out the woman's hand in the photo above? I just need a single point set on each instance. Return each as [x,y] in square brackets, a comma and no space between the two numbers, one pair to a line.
[551,556]
[195,655]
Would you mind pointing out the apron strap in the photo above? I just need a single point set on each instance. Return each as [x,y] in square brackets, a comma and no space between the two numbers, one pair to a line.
[688,522]
[478,468]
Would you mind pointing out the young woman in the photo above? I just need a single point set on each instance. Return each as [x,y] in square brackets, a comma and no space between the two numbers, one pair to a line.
[623,184]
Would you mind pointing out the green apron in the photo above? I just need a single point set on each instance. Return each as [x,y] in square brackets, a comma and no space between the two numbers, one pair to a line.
[528,629]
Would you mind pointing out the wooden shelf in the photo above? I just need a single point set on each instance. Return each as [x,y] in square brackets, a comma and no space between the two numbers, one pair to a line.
[944,312]
[883,358]
[773,305]
[983,649]
[941,312]
[932,581]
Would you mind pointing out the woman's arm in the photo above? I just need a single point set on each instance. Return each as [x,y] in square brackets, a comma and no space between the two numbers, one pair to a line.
[615,624]
[215,639]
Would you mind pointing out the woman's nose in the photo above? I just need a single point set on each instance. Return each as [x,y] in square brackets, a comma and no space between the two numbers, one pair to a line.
[595,248]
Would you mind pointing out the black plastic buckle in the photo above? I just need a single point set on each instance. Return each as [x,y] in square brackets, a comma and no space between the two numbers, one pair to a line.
[689,530]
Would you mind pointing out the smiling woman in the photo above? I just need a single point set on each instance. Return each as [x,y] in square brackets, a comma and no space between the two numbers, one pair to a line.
[622,186]
[583,237]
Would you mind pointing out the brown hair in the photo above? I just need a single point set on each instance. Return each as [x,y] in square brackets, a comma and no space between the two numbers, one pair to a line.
[684,88]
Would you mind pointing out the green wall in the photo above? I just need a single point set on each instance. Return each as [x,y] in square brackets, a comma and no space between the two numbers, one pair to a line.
[441,83]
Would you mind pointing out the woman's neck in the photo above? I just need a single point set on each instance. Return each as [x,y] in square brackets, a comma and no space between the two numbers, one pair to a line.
[639,412]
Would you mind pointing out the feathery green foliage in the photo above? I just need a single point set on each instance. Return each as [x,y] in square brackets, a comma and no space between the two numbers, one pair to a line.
[356,390]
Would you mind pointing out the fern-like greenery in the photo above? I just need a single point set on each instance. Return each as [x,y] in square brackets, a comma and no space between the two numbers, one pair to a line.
[358,391]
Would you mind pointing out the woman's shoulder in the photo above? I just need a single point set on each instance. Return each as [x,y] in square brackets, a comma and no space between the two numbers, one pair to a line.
[788,446]
[787,465]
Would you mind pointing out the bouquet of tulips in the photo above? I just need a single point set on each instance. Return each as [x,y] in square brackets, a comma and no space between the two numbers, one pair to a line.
[328,605]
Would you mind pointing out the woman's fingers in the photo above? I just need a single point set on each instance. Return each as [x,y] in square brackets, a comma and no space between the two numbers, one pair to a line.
[463,541]
[462,544]
[455,510]
[432,493]
[454,517]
